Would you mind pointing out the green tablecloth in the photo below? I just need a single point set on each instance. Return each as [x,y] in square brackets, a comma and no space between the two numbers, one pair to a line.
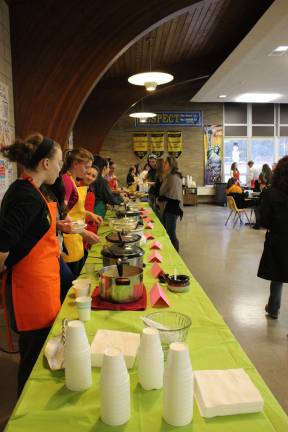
[46,404]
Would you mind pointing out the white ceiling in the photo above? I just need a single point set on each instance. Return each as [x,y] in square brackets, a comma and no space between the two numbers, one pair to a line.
[249,68]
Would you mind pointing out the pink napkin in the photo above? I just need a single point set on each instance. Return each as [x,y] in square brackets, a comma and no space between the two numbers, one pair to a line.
[155,257]
[149,225]
[156,245]
[145,211]
[149,236]
[147,220]
[158,297]
[156,270]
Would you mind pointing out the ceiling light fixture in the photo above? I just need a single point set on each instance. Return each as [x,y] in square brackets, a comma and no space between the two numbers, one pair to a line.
[257,97]
[279,51]
[150,79]
[142,116]
[222,96]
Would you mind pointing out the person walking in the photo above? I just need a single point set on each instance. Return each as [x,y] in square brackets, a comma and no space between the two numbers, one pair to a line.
[274,215]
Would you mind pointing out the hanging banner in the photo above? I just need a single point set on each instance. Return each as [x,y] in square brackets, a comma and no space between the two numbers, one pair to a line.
[174,143]
[140,144]
[213,151]
[157,143]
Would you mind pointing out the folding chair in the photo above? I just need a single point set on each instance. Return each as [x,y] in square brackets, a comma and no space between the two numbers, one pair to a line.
[234,210]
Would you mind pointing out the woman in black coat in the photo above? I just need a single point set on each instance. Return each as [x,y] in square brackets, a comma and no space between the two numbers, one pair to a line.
[274,216]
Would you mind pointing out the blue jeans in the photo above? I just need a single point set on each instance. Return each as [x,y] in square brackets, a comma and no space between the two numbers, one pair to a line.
[274,301]
[170,221]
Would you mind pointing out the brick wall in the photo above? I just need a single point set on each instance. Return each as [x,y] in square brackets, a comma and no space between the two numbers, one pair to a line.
[118,142]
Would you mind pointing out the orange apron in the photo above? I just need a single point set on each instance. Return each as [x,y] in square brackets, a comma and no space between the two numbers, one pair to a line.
[36,280]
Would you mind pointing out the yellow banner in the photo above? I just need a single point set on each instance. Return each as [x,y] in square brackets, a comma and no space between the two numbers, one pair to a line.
[140,144]
[174,143]
[157,143]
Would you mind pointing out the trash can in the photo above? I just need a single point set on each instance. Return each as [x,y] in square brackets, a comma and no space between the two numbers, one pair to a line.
[220,194]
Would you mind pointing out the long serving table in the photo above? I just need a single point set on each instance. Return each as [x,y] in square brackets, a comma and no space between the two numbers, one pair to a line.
[46,404]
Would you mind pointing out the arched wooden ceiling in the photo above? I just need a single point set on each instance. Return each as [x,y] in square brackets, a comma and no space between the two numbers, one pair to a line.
[62,49]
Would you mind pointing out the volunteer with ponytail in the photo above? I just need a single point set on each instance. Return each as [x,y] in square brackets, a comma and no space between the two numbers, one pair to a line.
[76,164]
[29,249]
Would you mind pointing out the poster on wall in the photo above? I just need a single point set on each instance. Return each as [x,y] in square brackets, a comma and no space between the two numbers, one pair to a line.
[213,150]
[174,143]
[157,143]
[5,133]
[140,144]
[4,102]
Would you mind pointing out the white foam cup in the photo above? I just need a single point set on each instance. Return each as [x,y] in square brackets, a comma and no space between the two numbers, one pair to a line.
[84,307]
[150,360]
[178,386]
[114,388]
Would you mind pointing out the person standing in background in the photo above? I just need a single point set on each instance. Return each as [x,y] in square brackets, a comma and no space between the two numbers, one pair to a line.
[29,249]
[170,199]
[151,178]
[234,172]
[265,177]
[111,177]
[251,175]
[274,215]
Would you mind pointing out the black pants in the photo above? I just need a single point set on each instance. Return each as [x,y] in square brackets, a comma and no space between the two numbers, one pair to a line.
[30,345]
[170,221]
[76,267]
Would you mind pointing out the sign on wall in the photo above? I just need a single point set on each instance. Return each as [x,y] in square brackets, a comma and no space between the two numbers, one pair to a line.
[4,102]
[140,144]
[156,145]
[174,118]
[213,150]
[174,143]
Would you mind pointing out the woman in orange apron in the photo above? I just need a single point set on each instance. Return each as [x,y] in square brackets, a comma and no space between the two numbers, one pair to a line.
[76,164]
[29,249]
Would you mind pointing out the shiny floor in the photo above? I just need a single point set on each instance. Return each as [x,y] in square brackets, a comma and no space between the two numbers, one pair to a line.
[225,262]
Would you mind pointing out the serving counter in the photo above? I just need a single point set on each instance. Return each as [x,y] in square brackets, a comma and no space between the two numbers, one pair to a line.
[47,405]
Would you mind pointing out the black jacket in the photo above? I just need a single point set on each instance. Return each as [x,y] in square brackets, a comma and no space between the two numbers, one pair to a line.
[274,216]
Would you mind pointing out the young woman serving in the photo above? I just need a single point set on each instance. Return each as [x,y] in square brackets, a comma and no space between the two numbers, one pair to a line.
[29,249]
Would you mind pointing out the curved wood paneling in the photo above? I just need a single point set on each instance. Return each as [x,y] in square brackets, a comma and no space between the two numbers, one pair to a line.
[61,49]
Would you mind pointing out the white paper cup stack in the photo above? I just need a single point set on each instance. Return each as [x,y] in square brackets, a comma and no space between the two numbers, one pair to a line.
[178,386]
[150,360]
[114,388]
[84,308]
[82,287]
[77,357]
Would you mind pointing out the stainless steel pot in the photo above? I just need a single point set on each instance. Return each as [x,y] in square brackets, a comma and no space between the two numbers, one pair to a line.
[128,253]
[121,289]
[122,239]
[135,214]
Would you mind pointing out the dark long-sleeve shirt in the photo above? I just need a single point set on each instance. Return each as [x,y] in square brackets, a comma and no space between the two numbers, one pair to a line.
[103,192]
[24,219]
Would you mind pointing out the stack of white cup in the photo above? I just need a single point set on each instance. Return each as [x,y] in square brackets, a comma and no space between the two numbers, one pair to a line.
[114,388]
[150,360]
[178,386]
[84,308]
[77,357]
[82,287]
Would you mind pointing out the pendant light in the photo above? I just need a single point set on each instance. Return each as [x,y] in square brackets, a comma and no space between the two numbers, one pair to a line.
[142,115]
[150,79]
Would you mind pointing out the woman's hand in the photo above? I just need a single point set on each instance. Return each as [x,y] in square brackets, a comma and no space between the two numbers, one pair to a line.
[90,237]
[3,256]
[94,217]
[64,226]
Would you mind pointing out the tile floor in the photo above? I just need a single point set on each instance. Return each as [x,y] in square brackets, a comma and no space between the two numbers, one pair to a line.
[225,262]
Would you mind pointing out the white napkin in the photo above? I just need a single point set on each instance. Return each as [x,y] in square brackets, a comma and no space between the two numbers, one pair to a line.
[226,392]
[126,342]
[54,352]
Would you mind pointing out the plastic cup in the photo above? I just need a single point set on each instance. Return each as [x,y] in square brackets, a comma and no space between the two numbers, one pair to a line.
[178,386]
[84,307]
[81,282]
[150,360]
[114,388]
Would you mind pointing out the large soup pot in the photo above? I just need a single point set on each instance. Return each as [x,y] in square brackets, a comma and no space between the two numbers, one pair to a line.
[124,239]
[121,289]
[128,213]
[129,254]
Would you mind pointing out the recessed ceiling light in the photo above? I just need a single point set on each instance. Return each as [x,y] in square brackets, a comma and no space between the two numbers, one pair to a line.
[222,96]
[257,97]
[278,51]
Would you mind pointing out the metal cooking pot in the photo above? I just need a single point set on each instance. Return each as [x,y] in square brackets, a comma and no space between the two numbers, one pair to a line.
[123,239]
[135,214]
[121,289]
[128,253]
